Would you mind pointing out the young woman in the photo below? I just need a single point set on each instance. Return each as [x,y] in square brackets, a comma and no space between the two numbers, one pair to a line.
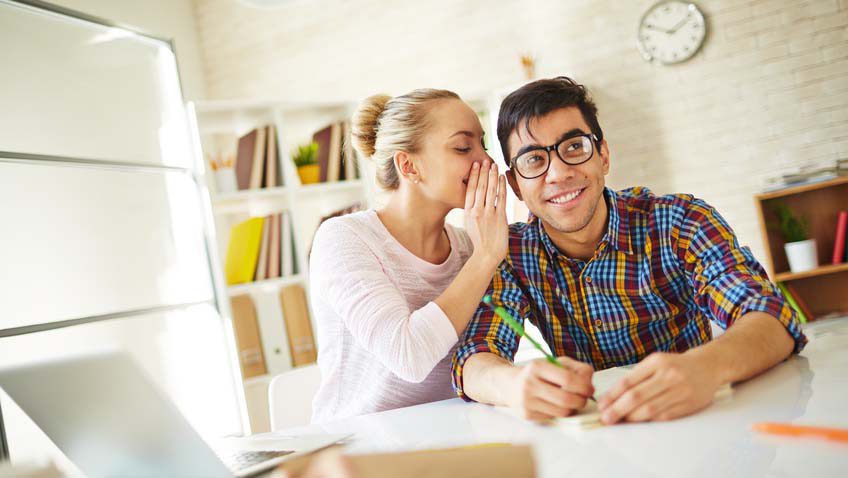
[394,288]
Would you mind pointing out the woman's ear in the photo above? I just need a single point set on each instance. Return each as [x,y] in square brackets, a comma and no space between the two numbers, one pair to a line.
[406,166]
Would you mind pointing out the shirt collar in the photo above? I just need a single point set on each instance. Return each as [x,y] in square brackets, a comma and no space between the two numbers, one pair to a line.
[618,232]
[618,228]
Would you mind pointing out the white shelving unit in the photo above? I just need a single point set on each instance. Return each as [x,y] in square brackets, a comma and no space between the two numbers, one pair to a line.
[219,124]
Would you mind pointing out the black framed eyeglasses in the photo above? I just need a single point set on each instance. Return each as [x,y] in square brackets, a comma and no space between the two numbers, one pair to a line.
[573,150]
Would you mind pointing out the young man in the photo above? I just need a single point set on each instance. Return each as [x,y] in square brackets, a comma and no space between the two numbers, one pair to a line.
[613,278]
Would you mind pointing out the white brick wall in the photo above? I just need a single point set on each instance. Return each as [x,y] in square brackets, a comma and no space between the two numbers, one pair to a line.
[768,92]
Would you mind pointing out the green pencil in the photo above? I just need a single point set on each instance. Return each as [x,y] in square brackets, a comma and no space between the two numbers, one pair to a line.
[519,329]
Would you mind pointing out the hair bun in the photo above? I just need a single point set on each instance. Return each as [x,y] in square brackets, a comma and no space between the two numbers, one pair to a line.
[365,123]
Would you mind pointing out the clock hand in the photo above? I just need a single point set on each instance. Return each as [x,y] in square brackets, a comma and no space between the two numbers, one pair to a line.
[679,25]
[657,29]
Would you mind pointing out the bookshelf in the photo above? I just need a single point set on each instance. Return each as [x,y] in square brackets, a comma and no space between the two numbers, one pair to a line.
[824,288]
[217,127]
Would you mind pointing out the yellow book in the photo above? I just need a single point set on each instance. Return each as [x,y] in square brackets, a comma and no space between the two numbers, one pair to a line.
[243,250]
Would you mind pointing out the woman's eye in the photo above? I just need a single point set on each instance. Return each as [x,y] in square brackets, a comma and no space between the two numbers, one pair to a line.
[463,150]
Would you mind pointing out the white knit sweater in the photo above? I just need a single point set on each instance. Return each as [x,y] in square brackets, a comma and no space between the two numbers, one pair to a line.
[382,342]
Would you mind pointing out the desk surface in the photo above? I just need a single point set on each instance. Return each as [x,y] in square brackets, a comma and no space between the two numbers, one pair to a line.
[809,389]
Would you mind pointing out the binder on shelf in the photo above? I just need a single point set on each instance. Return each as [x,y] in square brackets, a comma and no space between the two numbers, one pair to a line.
[275,344]
[243,250]
[272,175]
[334,162]
[322,138]
[262,262]
[841,231]
[244,159]
[258,165]
[248,338]
[287,243]
[330,152]
[298,325]
[274,247]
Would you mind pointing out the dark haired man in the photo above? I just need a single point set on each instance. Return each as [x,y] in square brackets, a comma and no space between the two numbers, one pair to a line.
[613,278]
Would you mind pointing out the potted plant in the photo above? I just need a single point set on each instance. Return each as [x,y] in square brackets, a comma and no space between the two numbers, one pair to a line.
[306,160]
[800,251]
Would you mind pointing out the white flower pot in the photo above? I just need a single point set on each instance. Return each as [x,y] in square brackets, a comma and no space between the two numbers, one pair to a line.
[226,180]
[802,255]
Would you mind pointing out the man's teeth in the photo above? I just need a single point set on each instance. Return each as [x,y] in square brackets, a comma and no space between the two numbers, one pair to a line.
[567,197]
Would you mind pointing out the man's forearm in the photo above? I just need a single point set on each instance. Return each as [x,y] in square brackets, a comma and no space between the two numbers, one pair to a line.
[486,378]
[754,343]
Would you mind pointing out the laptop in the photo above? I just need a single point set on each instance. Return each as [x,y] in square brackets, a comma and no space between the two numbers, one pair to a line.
[109,419]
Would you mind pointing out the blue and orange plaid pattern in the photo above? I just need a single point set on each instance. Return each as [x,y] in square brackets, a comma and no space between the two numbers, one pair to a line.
[666,266]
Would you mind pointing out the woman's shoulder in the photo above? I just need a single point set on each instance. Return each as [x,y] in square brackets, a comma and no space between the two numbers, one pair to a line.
[351,230]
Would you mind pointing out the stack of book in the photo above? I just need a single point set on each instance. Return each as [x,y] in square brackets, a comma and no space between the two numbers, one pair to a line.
[336,157]
[808,176]
[261,248]
[257,162]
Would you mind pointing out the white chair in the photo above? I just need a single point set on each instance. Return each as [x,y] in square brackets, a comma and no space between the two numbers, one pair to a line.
[290,396]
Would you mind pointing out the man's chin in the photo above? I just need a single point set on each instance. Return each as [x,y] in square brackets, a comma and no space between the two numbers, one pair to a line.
[566,225]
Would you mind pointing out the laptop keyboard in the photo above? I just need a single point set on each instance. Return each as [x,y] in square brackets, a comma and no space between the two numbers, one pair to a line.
[245,459]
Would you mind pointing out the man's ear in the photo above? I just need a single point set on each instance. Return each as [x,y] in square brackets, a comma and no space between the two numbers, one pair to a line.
[405,166]
[513,183]
[603,149]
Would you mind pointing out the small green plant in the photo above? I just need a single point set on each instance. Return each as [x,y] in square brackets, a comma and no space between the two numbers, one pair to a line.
[792,228]
[306,154]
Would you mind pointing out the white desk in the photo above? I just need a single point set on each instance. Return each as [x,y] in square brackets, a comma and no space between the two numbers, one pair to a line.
[808,389]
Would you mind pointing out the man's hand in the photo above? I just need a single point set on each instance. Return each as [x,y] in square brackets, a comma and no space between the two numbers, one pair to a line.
[542,391]
[664,386]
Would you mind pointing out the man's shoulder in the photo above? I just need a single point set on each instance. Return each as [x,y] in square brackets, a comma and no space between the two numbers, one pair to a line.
[641,201]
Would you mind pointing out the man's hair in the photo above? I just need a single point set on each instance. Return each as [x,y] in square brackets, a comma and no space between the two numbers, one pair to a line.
[539,98]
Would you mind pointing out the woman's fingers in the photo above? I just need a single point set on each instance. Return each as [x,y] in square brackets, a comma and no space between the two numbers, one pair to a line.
[492,190]
[471,190]
[502,194]
[482,186]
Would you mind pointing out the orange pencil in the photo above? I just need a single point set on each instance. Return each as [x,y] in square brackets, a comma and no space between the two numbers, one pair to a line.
[833,434]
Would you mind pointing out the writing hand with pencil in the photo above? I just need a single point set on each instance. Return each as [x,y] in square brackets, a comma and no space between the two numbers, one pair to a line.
[546,388]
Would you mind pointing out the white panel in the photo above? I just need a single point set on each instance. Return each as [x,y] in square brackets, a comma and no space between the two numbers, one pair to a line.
[184,351]
[73,88]
[82,241]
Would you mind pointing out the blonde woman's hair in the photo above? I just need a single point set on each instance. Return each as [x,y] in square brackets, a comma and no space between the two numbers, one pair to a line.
[383,125]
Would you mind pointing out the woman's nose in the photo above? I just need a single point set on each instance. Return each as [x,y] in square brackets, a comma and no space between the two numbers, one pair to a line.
[484,156]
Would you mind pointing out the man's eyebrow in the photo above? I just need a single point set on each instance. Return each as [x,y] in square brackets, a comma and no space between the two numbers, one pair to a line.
[568,134]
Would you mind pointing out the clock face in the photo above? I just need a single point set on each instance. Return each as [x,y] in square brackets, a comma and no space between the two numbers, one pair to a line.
[671,32]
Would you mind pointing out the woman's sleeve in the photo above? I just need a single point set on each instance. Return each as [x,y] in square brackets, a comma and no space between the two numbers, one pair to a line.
[350,277]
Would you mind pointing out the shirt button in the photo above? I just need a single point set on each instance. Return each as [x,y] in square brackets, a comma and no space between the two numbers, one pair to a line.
[598,324]
[588,279]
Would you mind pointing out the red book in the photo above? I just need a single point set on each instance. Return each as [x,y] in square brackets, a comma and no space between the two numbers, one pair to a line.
[839,246]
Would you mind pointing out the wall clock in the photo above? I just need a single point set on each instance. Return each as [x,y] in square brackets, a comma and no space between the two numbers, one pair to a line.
[671,32]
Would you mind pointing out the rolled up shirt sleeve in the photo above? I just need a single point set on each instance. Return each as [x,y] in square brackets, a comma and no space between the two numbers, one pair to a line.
[728,281]
[487,332]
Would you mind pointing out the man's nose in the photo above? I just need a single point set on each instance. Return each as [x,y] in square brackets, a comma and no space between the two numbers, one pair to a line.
[559,171]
